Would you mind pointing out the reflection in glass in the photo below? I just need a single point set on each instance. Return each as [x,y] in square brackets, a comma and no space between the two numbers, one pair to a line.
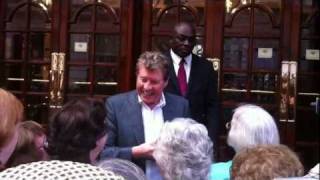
[13,76]
[83,20]
[40,46]
[79,47]
[263,98]
[78,80]
[106,80]
[13,46]
[262,62]
[310,83]
[37,109]
[160,43]
[310,18]
[266,82]
[19,19]
[263,24]
[40,17]
[236,81]
[234,96]
[107,18]
[107,48]
[39,77]
[235,53]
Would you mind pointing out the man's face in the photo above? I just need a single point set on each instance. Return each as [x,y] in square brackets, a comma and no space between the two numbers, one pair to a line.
[150,85]
[183,40]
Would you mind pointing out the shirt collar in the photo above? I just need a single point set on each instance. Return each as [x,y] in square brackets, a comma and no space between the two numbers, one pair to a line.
[160,104]
[176,59]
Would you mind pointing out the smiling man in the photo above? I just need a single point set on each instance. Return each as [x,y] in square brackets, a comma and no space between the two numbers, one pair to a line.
[135,118]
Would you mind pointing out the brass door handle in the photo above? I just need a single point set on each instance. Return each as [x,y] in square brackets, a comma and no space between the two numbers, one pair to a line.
[57,79]
[216,67]
[288,89]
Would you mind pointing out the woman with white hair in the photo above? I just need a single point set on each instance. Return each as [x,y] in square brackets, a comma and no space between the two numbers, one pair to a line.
[183,150]
[250,126]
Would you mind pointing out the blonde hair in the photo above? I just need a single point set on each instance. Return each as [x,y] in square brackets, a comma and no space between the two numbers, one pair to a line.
[26,149]
[266,162]
[28,131]
[11,113]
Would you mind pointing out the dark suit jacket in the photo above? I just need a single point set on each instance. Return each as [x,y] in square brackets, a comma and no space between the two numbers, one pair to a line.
[125,123]
[201,93]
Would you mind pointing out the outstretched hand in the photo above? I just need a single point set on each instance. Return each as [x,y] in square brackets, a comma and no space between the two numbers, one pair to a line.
[144,150]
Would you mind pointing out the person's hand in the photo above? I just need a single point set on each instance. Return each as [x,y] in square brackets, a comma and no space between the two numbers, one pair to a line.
[144,150]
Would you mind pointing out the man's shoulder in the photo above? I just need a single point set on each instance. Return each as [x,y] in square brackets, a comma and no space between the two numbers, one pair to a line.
[173,97]
[121,97]
[201,60]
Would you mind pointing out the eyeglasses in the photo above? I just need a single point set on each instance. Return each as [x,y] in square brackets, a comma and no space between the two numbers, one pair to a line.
[228,125]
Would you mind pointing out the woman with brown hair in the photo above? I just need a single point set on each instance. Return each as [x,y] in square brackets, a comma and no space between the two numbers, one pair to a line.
[77,131]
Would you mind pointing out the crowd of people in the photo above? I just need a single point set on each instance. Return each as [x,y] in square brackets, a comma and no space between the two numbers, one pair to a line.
[165,129]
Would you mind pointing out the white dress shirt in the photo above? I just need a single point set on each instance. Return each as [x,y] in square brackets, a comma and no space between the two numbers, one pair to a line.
[152,123]
[176,61]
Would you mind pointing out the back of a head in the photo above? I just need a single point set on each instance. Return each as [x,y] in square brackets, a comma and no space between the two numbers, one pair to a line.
[30,145]
[124,168]
[252,125]
[266,162]
[74,130]
[184,150]
[11,113]
[62,170]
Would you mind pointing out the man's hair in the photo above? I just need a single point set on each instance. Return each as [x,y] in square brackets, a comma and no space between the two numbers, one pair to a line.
[265,162]
[74,130]
[11,113]
[184,150]
[251,125]
[185,23]
[124,168]
[153,60]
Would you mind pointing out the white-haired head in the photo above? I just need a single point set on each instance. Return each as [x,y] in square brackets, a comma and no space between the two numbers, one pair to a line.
[251,125]
[184,150]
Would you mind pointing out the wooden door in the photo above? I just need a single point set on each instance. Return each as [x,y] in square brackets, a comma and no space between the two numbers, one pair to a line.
[55,50]
[26,43]
[95,36]
[306,37]
[259,43]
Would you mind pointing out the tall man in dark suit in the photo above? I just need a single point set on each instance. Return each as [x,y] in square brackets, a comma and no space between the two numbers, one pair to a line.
[193,77]
[136,117]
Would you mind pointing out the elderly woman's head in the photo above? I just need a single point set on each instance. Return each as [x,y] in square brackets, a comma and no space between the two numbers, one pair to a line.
[77,132]
[250,126]
[184,150]
[266,162]
[11,113]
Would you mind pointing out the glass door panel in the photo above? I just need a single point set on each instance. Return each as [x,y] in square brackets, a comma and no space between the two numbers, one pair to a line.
[26,54]
[308,84]
[235,53]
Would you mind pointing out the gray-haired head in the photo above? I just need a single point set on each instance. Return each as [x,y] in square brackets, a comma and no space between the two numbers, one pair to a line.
[251,125]
[184,150]
[124,168]
[154,60]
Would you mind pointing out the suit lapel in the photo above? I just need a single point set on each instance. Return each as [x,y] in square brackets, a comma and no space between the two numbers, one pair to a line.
[135,113]
[173,76]
[193,73]
[168,109]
